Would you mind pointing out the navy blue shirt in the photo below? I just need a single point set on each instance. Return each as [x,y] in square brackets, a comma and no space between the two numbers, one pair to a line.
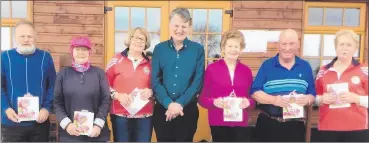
[274,79]
[177,76]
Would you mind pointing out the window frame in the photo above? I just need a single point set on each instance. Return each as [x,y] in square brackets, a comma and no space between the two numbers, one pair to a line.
[226,20]
[360,30]
[110,22]
[361,6]
[10,22]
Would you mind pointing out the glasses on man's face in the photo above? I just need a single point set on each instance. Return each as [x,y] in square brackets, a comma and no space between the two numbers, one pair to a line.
[139,39]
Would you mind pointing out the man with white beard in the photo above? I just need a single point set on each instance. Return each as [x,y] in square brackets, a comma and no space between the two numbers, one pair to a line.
[26,71]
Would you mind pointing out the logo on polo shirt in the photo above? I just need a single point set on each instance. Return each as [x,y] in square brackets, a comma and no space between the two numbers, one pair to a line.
[146,70]
[355,80]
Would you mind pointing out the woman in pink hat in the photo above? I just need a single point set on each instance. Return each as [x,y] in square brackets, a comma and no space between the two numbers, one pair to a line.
[82,97]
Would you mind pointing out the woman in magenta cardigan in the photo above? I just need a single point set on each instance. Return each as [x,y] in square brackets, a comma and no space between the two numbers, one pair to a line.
[224,78]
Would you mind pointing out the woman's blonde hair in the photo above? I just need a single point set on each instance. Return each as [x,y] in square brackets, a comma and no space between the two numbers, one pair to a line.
[131,32]
[347,33]
[232,34]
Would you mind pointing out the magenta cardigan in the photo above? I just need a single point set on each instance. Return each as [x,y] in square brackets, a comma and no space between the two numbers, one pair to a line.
[218,84]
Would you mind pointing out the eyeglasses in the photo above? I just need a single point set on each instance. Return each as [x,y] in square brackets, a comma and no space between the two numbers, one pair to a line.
[138,39]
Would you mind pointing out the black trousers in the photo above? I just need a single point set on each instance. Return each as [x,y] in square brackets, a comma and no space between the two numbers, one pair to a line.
[344,136]
[35,133]
[271,130]
[230,134]
[180,129]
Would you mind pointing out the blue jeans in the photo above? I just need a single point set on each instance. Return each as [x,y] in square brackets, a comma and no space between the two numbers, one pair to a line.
[131,129]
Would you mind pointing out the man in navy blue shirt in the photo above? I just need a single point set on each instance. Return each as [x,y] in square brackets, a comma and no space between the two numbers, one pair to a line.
[177,78]
[278,76]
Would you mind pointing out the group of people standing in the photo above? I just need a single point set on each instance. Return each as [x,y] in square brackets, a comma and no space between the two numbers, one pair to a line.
[174,81]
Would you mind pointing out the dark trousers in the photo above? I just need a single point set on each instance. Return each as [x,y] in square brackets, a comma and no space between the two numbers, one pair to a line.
[344,136]
[34,133]
[131,129]
[230,134]
[180,129]
[104,136]
[271,130]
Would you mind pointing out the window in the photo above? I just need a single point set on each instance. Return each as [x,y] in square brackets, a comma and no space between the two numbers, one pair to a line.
[146,17]
[11,13]
[207,30]
[322,21]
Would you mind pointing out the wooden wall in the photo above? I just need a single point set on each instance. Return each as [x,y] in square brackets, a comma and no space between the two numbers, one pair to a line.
[270,15]
[57,22]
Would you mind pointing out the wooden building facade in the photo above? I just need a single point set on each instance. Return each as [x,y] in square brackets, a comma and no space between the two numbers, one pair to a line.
[106,23]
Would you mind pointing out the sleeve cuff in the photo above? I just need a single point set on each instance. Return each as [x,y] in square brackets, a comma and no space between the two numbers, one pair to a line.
[65,122]
[364,101]
[47,108]
[166,102]
[99,122]
[180,102]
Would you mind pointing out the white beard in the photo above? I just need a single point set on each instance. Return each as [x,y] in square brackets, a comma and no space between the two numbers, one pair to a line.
[26,50]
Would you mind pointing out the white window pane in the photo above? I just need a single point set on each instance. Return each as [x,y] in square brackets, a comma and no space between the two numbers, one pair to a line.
[5,9]
[333,16]
[155,39]
[329,49]
[137,17]
[5,38]
[215,20]
[199,20]
[19,9]
[121,18]
[153,19]
[311,45]
[352,17]
[199,39]
[120,38]
[214,50]
[315,16]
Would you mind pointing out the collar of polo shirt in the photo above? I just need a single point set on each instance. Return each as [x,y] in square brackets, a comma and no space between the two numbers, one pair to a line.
[276,62]
[185,42]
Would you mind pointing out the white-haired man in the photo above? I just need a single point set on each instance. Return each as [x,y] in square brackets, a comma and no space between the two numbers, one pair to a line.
[26,71]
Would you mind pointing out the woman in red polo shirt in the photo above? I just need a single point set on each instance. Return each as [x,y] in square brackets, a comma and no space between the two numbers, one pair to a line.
[342,93]
[129,79]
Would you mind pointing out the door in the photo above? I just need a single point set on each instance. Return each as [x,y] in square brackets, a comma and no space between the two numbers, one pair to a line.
[153,16]
[209,22]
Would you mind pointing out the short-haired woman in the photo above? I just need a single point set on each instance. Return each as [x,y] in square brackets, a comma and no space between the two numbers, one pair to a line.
[342,93]
[228,78]
[127,71]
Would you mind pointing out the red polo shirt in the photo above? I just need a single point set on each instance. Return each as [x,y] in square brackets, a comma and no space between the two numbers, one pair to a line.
[350,118]
[123,78]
